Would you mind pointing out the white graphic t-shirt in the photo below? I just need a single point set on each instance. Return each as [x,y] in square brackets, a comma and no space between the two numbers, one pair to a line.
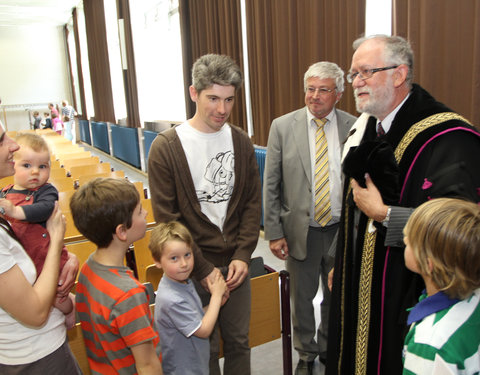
[211,161]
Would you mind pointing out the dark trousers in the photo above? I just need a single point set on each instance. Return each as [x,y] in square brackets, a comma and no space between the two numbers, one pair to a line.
[60,362]
[233,323]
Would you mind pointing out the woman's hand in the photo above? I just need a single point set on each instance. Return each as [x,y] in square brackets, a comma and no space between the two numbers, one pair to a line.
[67,277]
[56,224]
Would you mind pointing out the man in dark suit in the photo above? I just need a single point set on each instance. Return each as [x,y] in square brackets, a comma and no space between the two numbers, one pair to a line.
[302,198]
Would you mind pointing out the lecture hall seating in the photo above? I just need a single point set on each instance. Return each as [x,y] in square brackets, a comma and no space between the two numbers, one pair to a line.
[62,183]
[75,162]
[79,170]
[72,155]
[57,172]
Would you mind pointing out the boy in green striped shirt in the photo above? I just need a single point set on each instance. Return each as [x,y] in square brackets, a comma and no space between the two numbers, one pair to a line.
[442,239]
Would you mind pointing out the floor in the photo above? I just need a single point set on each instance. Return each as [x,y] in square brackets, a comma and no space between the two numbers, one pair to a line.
[266,359]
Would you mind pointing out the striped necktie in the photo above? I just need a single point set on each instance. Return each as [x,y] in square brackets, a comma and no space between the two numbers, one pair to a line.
[323,212]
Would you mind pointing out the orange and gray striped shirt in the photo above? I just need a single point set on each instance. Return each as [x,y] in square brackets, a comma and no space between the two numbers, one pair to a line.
[114,313]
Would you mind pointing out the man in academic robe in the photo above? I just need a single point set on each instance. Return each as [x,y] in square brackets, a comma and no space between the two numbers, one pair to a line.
[406,148]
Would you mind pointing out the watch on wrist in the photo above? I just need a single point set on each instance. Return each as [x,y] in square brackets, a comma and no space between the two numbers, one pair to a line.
[387,217]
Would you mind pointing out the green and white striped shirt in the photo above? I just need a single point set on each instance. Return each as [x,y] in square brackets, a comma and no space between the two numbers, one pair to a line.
[444,340]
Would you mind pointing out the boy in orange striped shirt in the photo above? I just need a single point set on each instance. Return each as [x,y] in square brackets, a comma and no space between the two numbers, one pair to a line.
[112,305]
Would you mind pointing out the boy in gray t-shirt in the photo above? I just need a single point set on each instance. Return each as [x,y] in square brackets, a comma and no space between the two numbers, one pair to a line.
[183,326]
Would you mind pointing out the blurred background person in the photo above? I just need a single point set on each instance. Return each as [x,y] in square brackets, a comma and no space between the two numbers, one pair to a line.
[68,116]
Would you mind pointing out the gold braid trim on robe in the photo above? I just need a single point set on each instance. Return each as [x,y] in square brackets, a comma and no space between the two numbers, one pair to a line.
[366,270]
[364,297]
[421,126]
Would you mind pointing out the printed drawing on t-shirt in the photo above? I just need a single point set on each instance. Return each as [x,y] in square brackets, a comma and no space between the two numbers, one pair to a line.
[219,172]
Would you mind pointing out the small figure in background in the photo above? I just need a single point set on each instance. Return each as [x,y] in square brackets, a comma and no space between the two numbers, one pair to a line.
[52,109]
[68,115]
[37,119]
[57,123]
[47,121]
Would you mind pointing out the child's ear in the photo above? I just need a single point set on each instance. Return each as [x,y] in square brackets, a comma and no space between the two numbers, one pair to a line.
[157,264]
[121,232]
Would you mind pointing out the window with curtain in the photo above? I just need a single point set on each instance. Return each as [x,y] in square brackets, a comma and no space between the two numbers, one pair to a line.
[378,17]
[73,65]
[84,58]
[115,60]
[158,59]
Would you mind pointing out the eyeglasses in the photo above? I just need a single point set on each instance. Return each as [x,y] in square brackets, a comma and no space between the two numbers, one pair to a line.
[367,73]
[320,90]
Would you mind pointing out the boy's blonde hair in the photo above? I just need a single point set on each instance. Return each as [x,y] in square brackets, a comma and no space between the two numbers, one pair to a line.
[32,140]
[446,231]
[165,232]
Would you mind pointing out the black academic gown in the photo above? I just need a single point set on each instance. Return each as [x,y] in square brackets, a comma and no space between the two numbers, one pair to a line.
[372,287]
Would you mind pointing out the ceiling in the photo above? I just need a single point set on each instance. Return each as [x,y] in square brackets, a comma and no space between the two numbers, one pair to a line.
[36,12]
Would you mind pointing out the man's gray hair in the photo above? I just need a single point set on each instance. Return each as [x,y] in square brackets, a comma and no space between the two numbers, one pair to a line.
[325,70]
[397,51]
[215,69]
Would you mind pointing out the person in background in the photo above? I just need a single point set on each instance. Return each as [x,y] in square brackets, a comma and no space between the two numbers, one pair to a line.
[57,123]
[442,239]
[112,305]
[407,148]
[32,335]
[42,123]
[67,128]
[37,119]
[183,326]
[53,109]
[29,202]
[291,184]
[203,173]
[47,121]
[68,115]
